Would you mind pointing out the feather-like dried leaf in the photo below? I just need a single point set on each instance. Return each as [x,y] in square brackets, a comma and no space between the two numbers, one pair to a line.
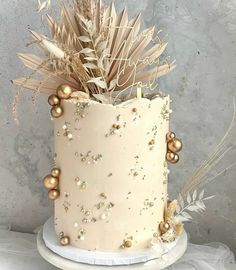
[99,82]
[194,195]
[84,39]
[189,199]
[35,85]
[86,50]
[90,66]
[201,195]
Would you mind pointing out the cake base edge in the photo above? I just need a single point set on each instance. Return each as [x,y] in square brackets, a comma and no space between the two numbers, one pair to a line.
[146,259]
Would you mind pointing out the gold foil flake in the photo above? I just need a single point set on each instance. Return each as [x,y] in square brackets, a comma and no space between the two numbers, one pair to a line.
[152,142]
[80,109]
[81,184]
[127,243]
[103,195]
[115,129]
[165,112]
[100,205]
[81,235]
[88,158]
[87,213]
[86,220]
[67,133]
[110,205]
[67,194]
[66,206]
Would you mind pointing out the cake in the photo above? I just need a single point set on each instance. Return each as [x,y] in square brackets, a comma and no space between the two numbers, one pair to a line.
[113,182]
[111,131]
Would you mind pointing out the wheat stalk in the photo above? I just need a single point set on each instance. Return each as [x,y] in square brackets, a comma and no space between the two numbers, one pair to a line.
[200,178]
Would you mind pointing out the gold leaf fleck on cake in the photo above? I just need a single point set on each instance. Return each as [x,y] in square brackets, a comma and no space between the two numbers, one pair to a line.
[81,184]
[81,235]
[66,205]
[67,194]
[103,195]
[88,158]
[80,109]
[165,112]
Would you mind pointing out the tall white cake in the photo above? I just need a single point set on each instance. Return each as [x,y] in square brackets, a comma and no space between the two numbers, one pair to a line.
[113,181]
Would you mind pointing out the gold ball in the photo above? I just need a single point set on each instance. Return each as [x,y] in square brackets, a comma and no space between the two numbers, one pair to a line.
[53,194]
[53,100]
[175,145]
[175,159]
[170,136]
[64,91]
[128,244]
[56,111]
[164,227]
[65,241]
[170,156]
[50,182]
[55,172]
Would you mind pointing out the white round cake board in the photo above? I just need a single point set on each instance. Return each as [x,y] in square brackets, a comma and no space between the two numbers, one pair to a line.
[89,258]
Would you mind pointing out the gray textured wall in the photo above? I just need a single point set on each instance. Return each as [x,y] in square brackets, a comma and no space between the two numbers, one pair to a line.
[202,36]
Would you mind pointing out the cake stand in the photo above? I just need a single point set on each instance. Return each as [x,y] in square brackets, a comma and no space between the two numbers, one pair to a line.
[161,262]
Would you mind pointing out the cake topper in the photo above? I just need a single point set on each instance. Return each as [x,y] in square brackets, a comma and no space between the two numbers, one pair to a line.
[96,50]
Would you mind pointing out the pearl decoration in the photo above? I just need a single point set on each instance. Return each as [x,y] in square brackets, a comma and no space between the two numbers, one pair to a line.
[54,100]
[53,194]
[64,91]
[55,172]
[128,244]
[65,241]
[170,136]
[56,111]
[164,227]
[51,182]
[175,145]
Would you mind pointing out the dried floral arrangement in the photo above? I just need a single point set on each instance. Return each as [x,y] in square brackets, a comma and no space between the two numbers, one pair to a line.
[192,195]
[94,50]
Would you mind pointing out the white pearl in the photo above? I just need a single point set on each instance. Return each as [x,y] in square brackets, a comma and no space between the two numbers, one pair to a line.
[76,224]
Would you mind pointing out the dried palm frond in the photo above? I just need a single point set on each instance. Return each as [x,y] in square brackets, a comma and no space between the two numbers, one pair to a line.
[203,175]
[95,50]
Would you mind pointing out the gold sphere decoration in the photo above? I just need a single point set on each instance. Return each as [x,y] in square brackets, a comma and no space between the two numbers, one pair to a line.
[170,136]
[51,182]
[170,156]
[54,100]
[175,159]
[64,91]
[175,145]
[65,241]
[128,244]
[53,194]
[55,172]
[164,227]
[56,111]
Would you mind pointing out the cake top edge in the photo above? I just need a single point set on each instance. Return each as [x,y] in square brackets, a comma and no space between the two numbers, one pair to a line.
[123,104]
